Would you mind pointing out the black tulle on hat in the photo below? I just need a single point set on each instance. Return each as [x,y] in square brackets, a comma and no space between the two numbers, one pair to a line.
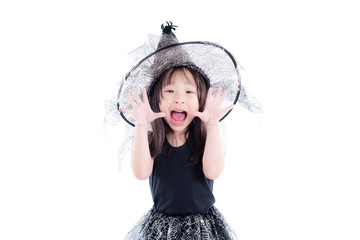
[160,53]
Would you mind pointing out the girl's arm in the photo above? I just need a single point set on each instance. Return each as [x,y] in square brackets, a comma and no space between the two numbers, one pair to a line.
[141,161]
[213,158]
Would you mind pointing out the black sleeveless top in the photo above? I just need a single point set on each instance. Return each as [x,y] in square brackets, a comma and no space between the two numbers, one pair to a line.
[179,187]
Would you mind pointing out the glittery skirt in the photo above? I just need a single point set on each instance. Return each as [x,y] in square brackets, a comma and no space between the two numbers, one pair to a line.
[158,226]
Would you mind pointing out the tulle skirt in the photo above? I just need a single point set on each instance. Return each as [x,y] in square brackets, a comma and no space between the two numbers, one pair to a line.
[158,226]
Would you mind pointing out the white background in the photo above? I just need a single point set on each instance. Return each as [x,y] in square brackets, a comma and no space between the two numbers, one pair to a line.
[291,174]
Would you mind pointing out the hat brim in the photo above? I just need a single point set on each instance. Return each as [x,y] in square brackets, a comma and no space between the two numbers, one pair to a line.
[213,61]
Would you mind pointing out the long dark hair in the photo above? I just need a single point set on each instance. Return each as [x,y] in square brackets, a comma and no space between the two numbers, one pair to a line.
[161,128]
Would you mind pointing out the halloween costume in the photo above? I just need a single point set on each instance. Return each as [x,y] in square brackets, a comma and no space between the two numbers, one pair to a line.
[183,200]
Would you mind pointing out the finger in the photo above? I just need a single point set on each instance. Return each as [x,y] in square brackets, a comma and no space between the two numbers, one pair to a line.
[199,115]
[228,108]
[127,110]
[208,98]
[137,97]
[222,97]
[159,115]
[130,100]
[217,95]
[196,114]
[145,97]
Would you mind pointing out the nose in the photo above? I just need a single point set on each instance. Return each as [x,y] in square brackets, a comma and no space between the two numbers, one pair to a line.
[179,99]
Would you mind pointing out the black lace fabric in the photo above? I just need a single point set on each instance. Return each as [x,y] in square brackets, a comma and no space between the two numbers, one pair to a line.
[158,226]
[213,61]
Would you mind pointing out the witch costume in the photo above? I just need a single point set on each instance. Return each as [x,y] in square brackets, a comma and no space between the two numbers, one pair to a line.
[183,199]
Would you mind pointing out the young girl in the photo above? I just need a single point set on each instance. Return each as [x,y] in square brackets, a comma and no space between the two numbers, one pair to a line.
[177,142]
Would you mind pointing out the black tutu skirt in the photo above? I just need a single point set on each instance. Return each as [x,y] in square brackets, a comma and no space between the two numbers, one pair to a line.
[158,226]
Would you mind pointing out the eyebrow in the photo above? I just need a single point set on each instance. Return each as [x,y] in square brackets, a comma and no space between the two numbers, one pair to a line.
[188,83]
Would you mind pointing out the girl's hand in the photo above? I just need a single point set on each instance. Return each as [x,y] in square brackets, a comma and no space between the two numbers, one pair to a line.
[213,112]
[141,110]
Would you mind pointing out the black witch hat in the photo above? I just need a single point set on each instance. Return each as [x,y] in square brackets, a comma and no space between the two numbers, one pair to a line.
[215,63]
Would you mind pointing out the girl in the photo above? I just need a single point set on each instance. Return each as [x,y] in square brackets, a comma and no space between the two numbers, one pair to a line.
[183,157]
[177,135]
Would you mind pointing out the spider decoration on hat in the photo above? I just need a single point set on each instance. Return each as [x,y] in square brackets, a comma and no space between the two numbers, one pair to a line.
[167,29]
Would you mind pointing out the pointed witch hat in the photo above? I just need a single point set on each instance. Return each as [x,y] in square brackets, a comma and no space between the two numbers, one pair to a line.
[217,65]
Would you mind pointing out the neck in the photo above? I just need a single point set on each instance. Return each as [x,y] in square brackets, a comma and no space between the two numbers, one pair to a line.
[177,139]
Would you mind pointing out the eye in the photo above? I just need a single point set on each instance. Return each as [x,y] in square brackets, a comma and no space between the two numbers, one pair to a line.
[169,91]
[189,91]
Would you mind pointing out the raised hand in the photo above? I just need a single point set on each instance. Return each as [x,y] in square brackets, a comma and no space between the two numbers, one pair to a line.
[213,112]
[141,110]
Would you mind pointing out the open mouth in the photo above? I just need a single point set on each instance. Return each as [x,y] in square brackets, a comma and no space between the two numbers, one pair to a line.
[178,117]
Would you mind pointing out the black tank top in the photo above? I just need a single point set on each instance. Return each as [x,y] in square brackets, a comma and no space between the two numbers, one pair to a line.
[179,187]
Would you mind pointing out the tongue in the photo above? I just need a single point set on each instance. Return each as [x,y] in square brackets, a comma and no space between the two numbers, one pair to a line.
[178,116]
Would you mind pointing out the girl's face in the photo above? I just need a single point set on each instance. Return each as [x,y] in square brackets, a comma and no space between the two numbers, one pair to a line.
[179,100]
